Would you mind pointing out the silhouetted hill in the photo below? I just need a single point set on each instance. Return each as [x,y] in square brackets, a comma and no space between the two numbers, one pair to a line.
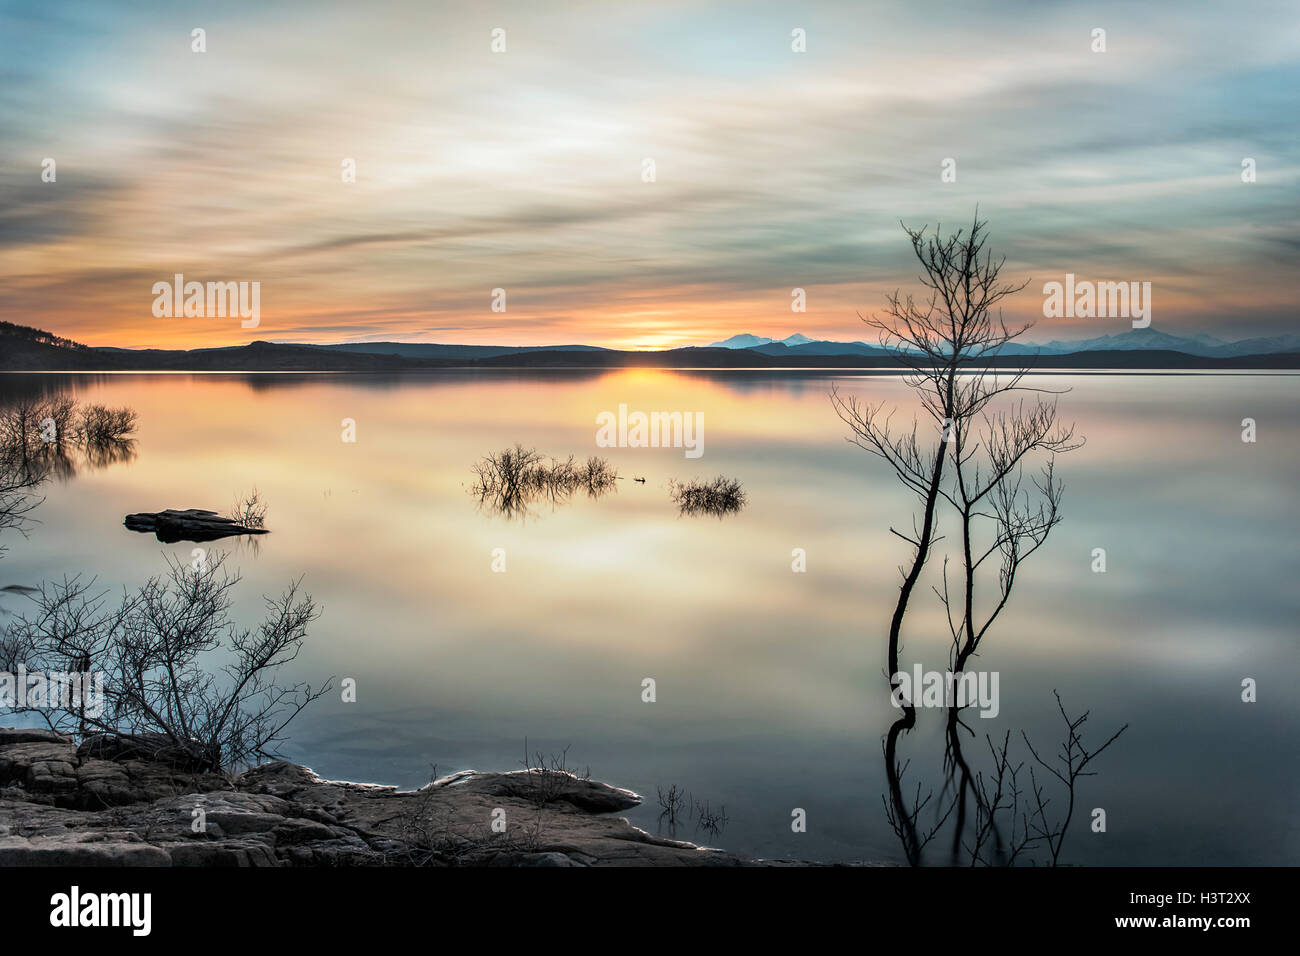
[20,355]
[433,351]
[32,350]
[8,330]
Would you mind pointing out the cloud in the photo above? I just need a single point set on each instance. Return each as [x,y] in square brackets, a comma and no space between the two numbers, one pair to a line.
[523,170]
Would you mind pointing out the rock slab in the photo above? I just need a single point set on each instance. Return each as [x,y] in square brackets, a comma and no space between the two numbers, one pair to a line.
[192,524]
[111,804]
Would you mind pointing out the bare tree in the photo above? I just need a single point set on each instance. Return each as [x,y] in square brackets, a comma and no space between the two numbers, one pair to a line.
[955,325]
[1000,517]
[986,425]
[249,510]
[178,674]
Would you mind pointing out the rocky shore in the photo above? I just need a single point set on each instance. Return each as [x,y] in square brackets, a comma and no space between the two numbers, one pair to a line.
[110,802]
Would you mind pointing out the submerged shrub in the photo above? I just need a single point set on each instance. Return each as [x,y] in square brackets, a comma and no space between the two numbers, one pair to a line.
[249,510]
[98,424]
[715,496]
[509,481]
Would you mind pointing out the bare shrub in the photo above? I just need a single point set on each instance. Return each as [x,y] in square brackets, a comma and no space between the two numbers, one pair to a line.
[596,476]
[510,481]
[678,805]
[430,834]
[717,496]
[548,777]
[99,424]
[249,510]
[672,804]
[708,819]
[38,438]
[1071,763]
[175,667]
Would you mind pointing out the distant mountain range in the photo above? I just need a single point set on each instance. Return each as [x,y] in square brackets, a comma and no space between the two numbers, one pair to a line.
[24,349]
[1205,346]
[747,341]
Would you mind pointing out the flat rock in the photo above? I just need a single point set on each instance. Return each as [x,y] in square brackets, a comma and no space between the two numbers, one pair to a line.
[192,524]
[127,802]
[20,851]
[547,786]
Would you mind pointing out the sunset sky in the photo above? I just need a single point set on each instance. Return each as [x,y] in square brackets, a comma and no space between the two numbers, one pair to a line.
[523,170]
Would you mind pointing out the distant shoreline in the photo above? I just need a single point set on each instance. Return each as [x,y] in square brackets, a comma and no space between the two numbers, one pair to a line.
[844,370]
[24,356]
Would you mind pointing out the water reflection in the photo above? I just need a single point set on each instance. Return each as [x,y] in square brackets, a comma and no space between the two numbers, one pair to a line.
[53,436]
[770,687]
[682,815]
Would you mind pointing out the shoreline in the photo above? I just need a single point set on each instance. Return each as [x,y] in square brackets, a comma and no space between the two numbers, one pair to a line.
[111,802]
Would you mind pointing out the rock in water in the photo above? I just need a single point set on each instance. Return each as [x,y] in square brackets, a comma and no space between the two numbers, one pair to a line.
[193,524]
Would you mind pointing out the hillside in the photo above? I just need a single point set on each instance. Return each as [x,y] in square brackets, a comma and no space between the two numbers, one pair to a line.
[33,350]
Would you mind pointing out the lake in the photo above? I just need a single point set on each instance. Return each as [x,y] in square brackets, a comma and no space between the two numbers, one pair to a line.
[769,684]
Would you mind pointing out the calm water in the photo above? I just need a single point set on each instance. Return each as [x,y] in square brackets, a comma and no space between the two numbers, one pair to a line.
[770,684]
